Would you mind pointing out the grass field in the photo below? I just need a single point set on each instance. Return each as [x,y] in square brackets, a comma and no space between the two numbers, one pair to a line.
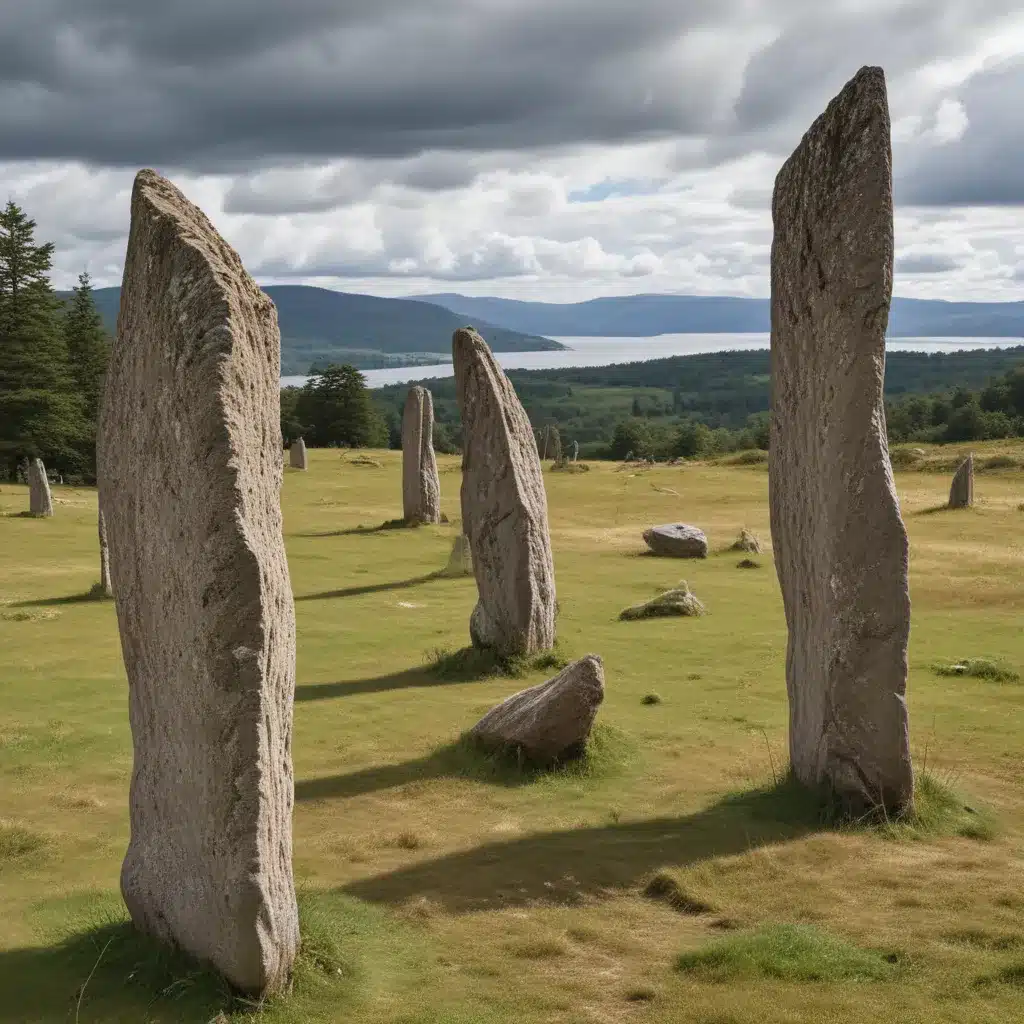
[671,881]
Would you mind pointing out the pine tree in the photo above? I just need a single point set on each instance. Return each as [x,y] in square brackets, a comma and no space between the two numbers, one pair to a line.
[88,345]
[335,407]
[40,413]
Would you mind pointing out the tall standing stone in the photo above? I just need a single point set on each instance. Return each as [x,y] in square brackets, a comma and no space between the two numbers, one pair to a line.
[190,481]
[961,492]
[421,488]
[841,548]
[504,507]
[39,501]
[105,583]
[297,454]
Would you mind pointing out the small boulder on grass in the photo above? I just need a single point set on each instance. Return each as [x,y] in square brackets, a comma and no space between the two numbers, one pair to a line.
[678,601]
[748,542]
[677,540]
[549,723]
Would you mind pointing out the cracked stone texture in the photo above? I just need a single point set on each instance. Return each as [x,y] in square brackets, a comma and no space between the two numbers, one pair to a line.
[677,540]
[421,488]
[297,455]
[504,507]
[190,477]
[104,557]
[39,501]
[549,722]
[961,492]
[840,545]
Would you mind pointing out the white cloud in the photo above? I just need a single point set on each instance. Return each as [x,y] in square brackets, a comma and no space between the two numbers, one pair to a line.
[680,213]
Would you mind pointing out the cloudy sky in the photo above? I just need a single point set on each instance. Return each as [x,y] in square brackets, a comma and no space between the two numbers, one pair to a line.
[543,149]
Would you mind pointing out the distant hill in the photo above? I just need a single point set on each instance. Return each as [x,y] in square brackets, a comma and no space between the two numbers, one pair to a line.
[645,316]
[319,326]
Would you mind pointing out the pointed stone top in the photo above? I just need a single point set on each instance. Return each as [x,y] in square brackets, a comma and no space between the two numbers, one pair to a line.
[154,196]
[844,142]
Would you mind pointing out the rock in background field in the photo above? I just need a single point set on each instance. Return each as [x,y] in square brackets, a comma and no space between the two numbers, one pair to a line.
[677,540]
[504,507]
[961,491]
[190,477]
[550,722]
[841,549]
[747,542]
[297,455]
[40,503]
[680,600]
[421,488]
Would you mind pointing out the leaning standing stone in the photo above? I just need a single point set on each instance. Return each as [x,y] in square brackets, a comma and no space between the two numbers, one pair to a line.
[105,584]
[190,481]
[504,507]
[421,488]
[39,501]
[961,493]
[297,454]
[840,545]
[550,722]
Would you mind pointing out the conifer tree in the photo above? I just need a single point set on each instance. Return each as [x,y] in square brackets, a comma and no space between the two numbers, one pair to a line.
[40,413]
[88,345]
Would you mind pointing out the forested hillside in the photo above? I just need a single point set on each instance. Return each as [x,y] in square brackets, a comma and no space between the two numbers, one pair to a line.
[720,401]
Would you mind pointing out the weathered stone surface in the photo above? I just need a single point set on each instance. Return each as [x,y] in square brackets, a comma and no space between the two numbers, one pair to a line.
[39,501]
[748,542]
[460,561]
[549,722]
[297,455]
[504,507]
[421,488]
[677,540]
[961,492]
[190,480]
[680,600]
[575,450]
[840,545]
[104,557]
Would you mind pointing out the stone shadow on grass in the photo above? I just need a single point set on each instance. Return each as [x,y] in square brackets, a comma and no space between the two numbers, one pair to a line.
[571,867]
[129,978]
[368,588]
[90,596]
[364,531]
[466,665]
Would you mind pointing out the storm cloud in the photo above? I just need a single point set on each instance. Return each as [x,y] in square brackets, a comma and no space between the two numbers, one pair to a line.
[549,150]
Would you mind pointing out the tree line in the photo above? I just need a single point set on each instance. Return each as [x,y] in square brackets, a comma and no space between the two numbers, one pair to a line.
[53,357]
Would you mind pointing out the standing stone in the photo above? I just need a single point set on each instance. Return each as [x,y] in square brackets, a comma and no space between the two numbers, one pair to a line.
[421,488]
[105,583]
[552,443]
[190,481]
[39,501]
[460,561]
[504,507]
[297,455]
[841,548]
[961,493]
[575,450]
